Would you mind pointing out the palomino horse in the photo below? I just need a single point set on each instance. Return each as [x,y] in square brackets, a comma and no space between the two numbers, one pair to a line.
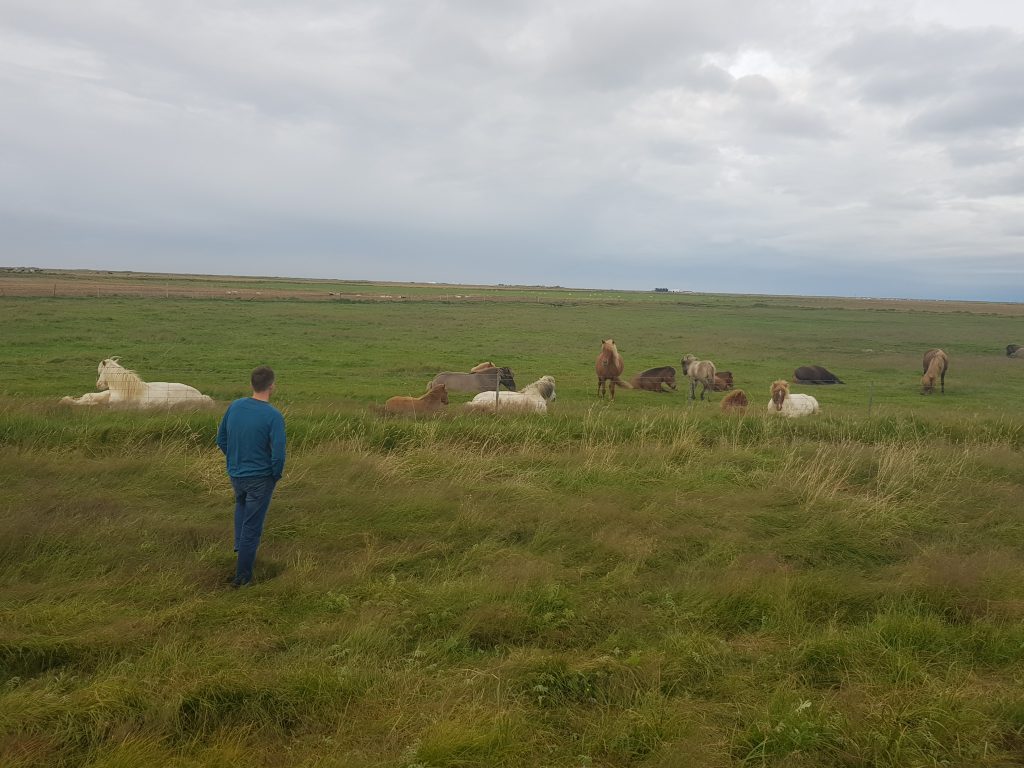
[124,387]
[789,405]
[934,364]
[609,367]
[533,398]
[699,372]
[431,402]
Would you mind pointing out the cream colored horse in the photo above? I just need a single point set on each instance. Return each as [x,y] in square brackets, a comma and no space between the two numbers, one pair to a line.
[533,398]
[123,387]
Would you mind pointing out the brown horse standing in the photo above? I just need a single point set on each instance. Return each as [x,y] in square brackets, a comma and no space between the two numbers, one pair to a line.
[434,400]
[935,364]
[609,367]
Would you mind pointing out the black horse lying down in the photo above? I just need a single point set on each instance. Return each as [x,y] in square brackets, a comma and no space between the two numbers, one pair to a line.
[815,374]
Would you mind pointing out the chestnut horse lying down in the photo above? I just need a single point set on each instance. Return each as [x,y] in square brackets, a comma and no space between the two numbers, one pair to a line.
[789,405]
[815,374]
[435,400]
[652,379]
[735,402]
[533,398]
[723,381]
[486,380]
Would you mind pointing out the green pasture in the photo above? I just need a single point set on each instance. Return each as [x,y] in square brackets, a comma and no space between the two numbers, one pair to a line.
[644,583]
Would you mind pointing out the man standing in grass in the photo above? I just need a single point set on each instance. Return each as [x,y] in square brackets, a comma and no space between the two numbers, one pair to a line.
[251,436]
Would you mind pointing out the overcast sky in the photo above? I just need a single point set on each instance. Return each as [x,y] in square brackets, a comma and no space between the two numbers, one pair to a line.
[838,148]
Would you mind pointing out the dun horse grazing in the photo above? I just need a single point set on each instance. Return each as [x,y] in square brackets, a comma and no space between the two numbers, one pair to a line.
[789,405]
[486,380]
[652,379]
[609,367]
[1014,350]
[123,387]
[934,364]
[533,398]
[815,374]
[434,400]
[723,381]
[735,402]
[699,372]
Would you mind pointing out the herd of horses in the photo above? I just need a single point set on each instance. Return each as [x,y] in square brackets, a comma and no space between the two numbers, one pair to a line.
[494,387]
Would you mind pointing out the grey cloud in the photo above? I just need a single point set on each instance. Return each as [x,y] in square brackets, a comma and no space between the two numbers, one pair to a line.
[574,143]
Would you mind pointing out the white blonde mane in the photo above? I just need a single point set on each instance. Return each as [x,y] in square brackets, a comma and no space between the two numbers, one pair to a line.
[544,388]
[114,376]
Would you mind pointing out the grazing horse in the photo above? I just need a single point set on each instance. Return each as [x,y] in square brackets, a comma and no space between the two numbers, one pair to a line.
[735,402]
[652,379]
[434,400]
[1014,350]
[699,372]
[609,367]
[934,364]
[723,381]
[533,398]
[486,380]
[123,387]
[815,374]
[789,405]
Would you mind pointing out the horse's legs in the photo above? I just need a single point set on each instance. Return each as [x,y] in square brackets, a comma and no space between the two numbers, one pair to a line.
[600,387]
[693,389]
[942,385]
[611,388]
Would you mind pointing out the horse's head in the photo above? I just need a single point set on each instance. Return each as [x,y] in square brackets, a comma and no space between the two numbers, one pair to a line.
[686,361]
[441,393]
[927,383]
[505,379]
[102,370]
[545,387]
[779,391]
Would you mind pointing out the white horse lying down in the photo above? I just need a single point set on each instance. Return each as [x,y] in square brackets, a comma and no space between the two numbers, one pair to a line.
[789,405]
[533,398]
[123,387]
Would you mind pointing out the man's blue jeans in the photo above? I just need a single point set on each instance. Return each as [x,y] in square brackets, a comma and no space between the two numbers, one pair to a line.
[252,499]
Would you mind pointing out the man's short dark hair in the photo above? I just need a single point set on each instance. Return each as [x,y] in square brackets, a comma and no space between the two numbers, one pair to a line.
[262,378]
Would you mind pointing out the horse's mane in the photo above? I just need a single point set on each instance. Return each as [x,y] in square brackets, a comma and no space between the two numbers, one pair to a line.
[780,384]
[436,392]
[127,381]
[544,386]
[935,364]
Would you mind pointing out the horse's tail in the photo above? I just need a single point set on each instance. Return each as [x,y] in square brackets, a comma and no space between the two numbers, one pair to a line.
[620,383]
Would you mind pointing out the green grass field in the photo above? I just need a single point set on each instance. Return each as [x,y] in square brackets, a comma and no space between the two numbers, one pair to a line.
[644,583]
